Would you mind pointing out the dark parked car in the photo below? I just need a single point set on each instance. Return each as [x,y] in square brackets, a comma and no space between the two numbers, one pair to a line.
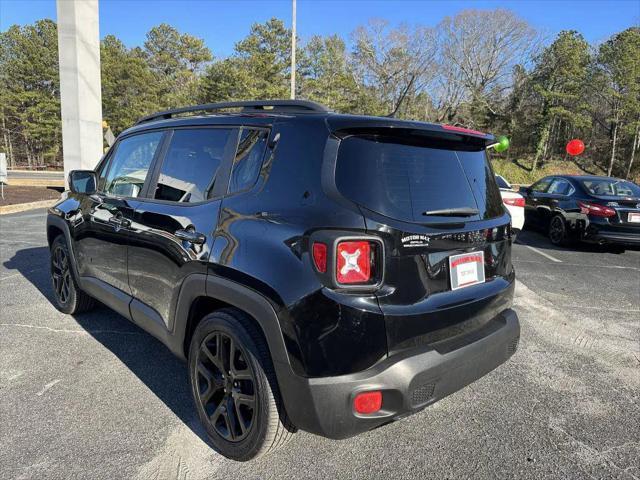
[587,208]
[323,272]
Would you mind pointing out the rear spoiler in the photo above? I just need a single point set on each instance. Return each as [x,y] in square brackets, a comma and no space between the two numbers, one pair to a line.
[344,126]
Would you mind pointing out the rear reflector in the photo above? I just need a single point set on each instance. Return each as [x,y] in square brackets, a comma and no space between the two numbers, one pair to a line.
[320,256]
[514,202]
[367,402]
[353,262]
[596,210]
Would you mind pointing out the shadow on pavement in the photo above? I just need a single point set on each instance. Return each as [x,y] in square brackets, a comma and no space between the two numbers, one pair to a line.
[164,374]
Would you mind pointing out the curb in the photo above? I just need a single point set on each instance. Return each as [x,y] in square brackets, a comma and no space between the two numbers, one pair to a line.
[35,182]
[21,207]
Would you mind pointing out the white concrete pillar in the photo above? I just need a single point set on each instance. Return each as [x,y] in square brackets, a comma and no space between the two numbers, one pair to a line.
[80,90]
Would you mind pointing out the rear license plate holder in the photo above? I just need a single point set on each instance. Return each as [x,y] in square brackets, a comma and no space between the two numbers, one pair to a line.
[466,269]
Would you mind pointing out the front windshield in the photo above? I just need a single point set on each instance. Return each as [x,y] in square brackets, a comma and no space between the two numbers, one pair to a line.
[612,187]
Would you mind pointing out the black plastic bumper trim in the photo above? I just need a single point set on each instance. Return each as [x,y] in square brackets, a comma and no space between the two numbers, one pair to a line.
[408,382]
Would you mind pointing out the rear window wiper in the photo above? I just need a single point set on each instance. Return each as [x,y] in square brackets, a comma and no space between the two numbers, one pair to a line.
[453,212]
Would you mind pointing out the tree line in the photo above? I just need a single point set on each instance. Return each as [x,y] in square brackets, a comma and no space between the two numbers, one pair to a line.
[486,70]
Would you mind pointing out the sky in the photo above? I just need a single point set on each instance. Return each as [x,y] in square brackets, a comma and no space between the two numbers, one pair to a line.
[221,23]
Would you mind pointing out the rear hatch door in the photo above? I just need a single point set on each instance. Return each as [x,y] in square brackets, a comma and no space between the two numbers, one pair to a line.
[431,196]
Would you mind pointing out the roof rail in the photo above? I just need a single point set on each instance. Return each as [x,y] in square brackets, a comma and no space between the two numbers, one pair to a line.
[252,106]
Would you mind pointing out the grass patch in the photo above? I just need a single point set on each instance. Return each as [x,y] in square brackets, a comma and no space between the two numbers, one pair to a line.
[519,171]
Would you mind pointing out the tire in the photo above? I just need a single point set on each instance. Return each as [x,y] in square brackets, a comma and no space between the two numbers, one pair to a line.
[69,297]
[234,387]
[558,231]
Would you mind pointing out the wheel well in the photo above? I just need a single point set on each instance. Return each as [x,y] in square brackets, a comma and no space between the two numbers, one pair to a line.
[201,307]
[52,233]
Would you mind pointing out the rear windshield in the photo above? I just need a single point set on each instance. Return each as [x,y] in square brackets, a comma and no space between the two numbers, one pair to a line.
[502,183]
[611,187]
[402,180]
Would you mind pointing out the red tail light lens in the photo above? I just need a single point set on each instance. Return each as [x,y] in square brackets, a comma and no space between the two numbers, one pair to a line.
[596,210]
[514,202]
[320,256]
[367,402]
[353,262]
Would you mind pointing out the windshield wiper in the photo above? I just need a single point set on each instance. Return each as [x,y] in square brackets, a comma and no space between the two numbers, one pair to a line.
[453,212]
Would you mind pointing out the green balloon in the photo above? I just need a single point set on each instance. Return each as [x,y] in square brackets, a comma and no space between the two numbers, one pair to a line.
[503,144]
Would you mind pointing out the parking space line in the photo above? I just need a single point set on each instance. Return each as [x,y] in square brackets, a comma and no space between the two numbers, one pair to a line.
[64,330]
[550,257]
[604,309]
[7,243]
[47,387]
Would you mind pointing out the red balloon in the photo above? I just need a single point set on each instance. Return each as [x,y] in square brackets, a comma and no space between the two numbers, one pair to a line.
[575,147]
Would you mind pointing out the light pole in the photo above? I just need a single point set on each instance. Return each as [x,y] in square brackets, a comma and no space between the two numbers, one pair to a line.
[293,51]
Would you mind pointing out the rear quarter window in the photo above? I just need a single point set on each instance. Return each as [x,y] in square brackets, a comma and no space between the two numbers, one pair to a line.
[248,159]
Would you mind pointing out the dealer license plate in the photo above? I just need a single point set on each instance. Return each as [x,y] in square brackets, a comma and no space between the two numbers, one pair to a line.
[466,269]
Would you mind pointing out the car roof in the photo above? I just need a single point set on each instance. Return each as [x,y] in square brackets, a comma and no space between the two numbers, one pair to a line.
[203,120]
[334,121]
[288,111]
[586,177]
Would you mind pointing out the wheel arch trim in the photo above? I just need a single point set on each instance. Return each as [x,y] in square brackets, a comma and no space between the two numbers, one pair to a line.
[293,388]
[236,295]
[60,224]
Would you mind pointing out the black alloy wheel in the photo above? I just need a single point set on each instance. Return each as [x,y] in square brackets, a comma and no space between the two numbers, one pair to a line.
[226,386]
[234,386]
[557,230]
[61,274]
[69,297]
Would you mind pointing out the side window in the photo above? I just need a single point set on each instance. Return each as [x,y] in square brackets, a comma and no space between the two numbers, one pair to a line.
[560,186]
[541,186]
[190,167]
[129,164]
[248,160]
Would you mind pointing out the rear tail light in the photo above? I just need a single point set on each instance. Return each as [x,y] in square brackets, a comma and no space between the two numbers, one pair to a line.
[368,402]
[347,262]
[514,202]
[596,210]
[353,262]
[320,256]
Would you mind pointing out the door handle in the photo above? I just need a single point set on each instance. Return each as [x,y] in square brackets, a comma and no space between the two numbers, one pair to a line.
[191,236]
[97,199]
[554,202]
[119,221]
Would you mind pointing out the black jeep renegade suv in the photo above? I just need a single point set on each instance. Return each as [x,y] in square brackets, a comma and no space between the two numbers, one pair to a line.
[323,272]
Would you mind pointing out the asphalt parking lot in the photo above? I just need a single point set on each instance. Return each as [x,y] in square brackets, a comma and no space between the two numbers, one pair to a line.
[93,396]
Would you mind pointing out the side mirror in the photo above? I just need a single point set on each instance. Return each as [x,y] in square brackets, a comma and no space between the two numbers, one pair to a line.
[83,181]
[524,190]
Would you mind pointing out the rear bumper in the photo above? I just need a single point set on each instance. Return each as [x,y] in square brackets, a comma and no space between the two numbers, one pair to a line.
[605,236]
[409,381]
